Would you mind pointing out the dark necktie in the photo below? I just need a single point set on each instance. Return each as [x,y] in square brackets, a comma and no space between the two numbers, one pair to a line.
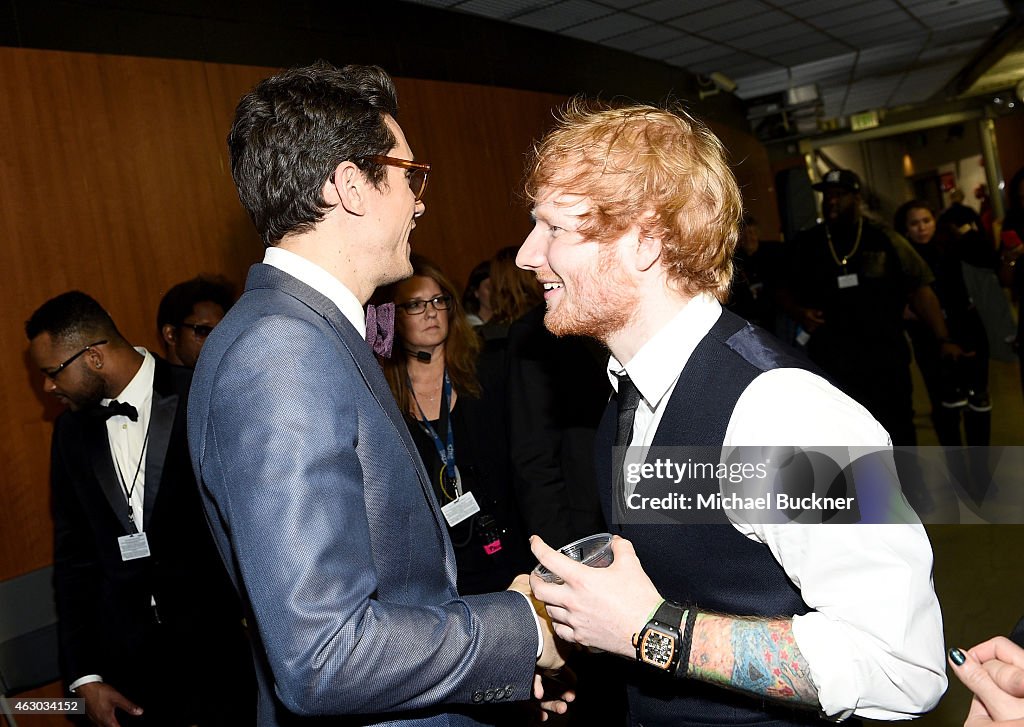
[117,408]
[380,328]
[628,397]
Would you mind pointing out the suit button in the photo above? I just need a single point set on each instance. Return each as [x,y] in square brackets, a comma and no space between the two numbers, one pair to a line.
[489,695]
[478,697]
[509,691]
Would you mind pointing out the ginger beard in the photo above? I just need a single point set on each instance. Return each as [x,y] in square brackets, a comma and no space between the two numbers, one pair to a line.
[596,301]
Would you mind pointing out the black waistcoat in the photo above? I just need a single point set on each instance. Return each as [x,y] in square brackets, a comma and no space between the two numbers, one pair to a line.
[712,566]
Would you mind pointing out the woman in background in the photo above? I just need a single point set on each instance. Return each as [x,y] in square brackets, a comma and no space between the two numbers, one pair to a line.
[458,428]
[953,386]
[476,298]
[514,291]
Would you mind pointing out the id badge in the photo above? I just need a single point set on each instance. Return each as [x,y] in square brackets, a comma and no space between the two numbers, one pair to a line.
[133,546]
[460,508]
[848,281]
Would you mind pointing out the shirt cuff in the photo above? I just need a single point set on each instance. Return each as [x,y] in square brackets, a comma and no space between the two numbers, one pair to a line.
[88,679]
[536,620]
[824,650]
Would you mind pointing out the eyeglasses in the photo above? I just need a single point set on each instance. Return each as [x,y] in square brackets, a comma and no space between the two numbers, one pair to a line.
[415,172]
[52,373]
[201,330]
[417,307]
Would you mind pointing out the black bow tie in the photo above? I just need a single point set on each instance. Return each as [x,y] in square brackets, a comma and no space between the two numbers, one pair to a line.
[117,408]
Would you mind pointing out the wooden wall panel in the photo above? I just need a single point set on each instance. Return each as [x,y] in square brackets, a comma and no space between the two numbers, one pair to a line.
[114,179]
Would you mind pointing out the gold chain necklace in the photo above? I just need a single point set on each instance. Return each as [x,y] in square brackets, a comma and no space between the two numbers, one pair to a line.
[853,250]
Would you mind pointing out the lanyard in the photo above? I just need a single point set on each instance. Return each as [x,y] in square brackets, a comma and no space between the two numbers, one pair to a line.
[128,492]
[445,451]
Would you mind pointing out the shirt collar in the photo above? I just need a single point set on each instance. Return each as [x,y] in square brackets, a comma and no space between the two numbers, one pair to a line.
[321,281]
[658,363]
[140,388]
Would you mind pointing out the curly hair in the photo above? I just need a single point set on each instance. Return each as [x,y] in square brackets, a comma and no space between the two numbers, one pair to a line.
[642,165]
[461,350]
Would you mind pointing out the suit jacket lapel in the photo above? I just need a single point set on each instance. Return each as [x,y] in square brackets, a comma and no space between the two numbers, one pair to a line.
[98,447]
[161,421]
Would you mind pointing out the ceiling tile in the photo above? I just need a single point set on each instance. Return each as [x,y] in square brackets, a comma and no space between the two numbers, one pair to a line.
[722,65]
[606,27]
[805,40]
[940,15]
[719,14]
[750,68]
[743,26]
[893,52]
[665,9]
[682,44]
[711,53]
[852,14]
[761,84]
[769,36]
[435,3]
[643,38]
[897,19]
[807,8]
[870,86]
[806,54]
[874,37]
[563,15]
[502,9]
[831,67]
[971,31]
[947,52]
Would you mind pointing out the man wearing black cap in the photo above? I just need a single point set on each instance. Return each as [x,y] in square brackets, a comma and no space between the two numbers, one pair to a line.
[850,281]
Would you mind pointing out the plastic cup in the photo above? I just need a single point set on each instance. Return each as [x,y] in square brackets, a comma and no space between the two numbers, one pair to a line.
[593,550]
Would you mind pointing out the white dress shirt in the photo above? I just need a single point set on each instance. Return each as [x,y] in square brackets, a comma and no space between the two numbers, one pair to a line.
[129,440]
[873,639]
[323,282]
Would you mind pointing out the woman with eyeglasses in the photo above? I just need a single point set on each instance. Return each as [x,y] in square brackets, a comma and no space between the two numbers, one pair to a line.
[457,427]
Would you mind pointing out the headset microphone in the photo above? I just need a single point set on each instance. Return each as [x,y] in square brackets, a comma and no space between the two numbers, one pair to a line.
[422,356]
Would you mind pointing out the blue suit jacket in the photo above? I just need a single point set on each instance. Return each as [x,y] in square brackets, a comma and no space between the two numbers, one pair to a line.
[320,506]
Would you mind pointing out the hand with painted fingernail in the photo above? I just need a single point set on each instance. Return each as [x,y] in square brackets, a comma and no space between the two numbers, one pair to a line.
[994,672]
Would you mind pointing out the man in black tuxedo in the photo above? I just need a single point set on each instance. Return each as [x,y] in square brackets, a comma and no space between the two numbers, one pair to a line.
[150,627]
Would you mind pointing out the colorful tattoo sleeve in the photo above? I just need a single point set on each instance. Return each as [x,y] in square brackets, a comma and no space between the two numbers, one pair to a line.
[756,656]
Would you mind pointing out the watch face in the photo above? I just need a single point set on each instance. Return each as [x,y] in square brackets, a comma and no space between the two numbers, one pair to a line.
[658,649]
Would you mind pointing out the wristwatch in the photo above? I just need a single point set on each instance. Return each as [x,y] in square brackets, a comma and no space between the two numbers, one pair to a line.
[658,643]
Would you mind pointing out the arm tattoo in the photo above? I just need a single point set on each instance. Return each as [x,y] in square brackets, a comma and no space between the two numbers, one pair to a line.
[756,656]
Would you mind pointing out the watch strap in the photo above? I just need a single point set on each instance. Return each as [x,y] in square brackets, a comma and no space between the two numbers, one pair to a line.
[671,614]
